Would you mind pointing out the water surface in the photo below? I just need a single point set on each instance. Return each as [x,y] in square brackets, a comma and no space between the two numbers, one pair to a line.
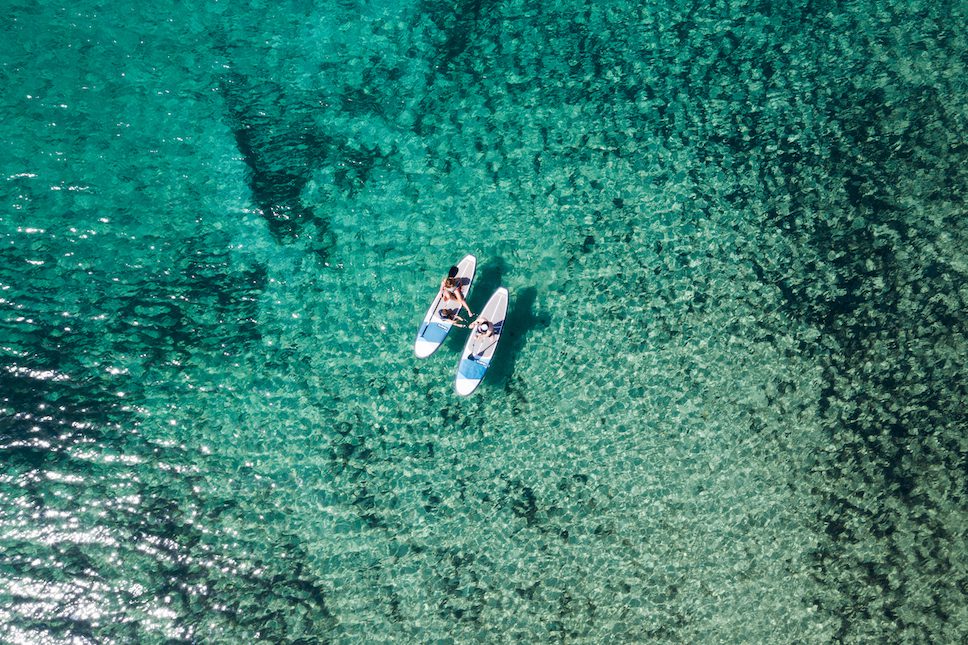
[730,406]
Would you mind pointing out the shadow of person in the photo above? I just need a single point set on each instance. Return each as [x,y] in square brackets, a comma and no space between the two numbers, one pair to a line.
[487,280]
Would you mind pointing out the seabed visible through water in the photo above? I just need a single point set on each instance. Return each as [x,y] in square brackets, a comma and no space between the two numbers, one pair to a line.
[730,405]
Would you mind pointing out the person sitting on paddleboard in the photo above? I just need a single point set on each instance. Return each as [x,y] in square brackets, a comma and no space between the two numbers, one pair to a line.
[450,315]
[450,290]
[483,328]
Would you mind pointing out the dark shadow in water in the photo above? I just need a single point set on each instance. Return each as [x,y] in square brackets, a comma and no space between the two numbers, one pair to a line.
[487,280]
[280,151]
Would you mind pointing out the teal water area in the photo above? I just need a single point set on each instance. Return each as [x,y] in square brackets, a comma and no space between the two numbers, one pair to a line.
[730,403]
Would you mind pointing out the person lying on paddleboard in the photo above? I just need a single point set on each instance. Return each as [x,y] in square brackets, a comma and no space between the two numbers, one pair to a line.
[450,315]
[450,291]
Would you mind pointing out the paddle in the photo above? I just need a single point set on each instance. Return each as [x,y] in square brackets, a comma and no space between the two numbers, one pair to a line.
[470,356]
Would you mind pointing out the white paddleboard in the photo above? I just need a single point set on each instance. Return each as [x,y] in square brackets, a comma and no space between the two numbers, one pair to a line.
[433,329]
[479,348]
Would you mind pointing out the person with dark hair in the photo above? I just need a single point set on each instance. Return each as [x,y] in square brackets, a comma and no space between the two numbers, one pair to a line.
[450,291]
[450,315]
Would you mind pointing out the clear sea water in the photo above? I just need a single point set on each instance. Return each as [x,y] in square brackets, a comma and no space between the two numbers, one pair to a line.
[731,403]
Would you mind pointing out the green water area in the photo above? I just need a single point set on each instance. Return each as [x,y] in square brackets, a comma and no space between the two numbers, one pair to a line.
[729,402]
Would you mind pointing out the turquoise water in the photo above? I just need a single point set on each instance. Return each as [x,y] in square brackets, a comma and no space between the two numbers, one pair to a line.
[730,405]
